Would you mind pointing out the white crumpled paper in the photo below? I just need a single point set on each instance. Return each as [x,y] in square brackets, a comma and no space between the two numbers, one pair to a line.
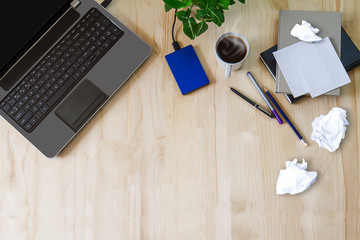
[295,179]
[305,32]
[329,130]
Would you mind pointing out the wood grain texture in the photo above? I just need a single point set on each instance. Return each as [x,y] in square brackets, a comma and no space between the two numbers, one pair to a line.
[154,164]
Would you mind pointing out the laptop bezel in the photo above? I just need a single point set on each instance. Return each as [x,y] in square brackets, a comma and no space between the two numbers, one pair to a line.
[20,53]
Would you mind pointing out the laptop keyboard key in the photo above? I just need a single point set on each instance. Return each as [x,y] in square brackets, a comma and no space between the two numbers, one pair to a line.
[6,107]
[28,127]
[104,21]
[20,103]
[34,108]
[45,97]
[50,92]
[115,30]
[19,114]
[44,108]
[13,110]
[17,96]
[26,118]
[32,101]
[26,107]
[12,101]
[39,115]
[77,75]
[112,37]
[33,120]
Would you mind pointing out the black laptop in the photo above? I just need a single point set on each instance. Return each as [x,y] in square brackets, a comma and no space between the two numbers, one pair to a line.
[60,62]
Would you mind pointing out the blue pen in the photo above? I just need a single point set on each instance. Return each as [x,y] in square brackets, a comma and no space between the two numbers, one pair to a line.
[285,117]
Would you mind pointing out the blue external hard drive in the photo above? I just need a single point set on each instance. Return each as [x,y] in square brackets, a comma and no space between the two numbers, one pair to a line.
[187,69]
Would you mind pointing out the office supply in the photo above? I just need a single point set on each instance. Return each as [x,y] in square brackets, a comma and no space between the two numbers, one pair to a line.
[252,102]
[350,58]
[313,68]
[350,54]
[295,179]
[329,24]
[329,130]
[278,118]
[285,116]
[55,52]
[267,57]
[187,69]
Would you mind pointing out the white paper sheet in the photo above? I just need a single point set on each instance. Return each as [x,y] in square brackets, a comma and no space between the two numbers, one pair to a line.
[313,68]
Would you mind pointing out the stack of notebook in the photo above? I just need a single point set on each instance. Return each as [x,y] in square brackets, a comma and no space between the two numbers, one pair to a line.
[329,24]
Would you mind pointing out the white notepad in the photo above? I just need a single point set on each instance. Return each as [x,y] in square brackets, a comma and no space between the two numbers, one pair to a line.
[313,68]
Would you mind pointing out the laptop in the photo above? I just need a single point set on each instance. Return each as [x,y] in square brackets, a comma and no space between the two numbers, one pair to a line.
[60,62]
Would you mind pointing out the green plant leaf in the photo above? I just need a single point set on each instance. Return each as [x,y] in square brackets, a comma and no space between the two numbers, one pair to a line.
[190,27]
[203,13]
[178,3]
[210,3]
[224,4]
[183,15]
[198,2]
[207,11]
[217,16]
[167,8]
[198,17]
[201,28]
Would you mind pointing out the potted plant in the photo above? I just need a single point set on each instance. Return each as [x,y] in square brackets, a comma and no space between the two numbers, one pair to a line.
[195,14]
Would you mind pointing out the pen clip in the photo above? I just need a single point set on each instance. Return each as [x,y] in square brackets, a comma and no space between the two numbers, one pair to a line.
[264,111]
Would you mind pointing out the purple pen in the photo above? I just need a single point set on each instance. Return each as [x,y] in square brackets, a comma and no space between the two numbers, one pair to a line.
[272,109]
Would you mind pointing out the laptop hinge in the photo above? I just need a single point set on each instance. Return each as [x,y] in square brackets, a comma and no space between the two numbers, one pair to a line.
[75,3]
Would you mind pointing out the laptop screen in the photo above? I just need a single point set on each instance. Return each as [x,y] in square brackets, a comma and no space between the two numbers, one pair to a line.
[21,21]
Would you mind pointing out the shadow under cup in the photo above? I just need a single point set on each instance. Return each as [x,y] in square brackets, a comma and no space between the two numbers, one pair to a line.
[231,51]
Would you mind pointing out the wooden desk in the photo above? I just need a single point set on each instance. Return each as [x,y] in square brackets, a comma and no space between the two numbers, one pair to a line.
[154,164]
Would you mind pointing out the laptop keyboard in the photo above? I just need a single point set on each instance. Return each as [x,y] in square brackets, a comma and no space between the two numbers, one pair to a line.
[60,70]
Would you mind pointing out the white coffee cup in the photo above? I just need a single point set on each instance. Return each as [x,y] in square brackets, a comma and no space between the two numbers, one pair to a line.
[231,64]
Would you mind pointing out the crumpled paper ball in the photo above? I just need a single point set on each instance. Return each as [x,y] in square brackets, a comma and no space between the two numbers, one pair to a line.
[305,32]
[295,179]
[329,130]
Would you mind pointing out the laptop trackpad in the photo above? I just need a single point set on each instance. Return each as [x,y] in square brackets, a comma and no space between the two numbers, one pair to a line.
[80,104]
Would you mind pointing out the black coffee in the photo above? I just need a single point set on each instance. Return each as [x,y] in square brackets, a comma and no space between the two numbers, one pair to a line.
[231,49]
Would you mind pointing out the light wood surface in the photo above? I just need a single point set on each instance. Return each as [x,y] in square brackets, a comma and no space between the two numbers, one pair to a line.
[154,164]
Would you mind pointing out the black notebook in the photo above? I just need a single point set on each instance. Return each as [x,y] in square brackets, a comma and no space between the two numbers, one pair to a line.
[350,58]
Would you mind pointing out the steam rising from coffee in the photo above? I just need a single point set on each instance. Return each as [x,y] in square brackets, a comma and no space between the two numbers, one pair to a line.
[231,49]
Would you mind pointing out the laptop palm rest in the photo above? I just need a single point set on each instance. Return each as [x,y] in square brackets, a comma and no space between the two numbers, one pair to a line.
[81,104]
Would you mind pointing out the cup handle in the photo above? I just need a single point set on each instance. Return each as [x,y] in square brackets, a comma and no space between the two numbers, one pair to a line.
[227,71]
